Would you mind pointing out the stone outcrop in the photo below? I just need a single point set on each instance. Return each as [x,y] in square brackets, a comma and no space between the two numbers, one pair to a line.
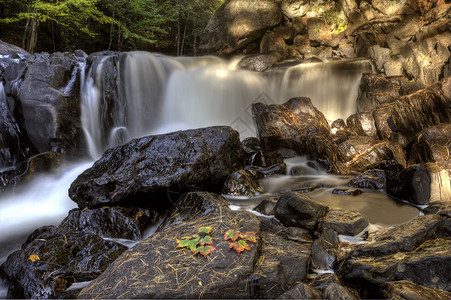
[296,125]
[239,22]
[145,169]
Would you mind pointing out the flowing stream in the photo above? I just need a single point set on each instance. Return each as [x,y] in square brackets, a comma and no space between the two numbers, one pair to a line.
[154,94]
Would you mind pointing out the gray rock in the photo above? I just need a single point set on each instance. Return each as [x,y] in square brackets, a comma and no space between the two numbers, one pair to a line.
[325,250]
[301,291]
[241,183]
[258,62]
[294,209]
[370,179]
[407,290]
[295,8]
[344,222]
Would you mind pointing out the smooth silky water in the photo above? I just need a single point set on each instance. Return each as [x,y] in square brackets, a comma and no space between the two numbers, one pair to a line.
[159,94]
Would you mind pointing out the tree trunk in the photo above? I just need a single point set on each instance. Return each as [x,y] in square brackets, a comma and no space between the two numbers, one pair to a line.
[30,37]
[195,39]
[184,36]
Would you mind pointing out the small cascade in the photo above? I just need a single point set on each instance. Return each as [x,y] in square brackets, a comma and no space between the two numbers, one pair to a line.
[139,93]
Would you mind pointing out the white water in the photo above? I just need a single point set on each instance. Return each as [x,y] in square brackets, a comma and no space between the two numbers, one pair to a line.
[159,94]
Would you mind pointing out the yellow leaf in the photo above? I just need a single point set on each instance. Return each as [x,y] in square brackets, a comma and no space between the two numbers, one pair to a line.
[200,283]
[33,257]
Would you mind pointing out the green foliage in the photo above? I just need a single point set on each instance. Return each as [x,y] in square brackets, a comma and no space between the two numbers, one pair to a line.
[197,243]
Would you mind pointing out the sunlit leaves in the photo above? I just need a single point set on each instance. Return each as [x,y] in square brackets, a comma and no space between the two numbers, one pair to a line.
[239,240]
[33,257]
[199,243]
[205,250]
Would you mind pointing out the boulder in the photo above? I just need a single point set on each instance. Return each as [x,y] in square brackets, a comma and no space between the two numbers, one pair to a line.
[273,43]
[433,144]
[362,124]
[410,114]
[380,57]
[156,268]
[283,264]
[338,124]
[295,8]
[370,179]
[255,156]
[9,49]
[152,165]
[53,258]
[406,289]
[441,208]
[261,172]
[299,210]
[346,191]
[334,287]
[421,184]
[267,206]
[403,238]
[237,23]
[296,125]
[241,183]
[325,250]
[388,7]
[428,265]
[361,153]
[110,222]
[344,222]
[320,33]
[50,103]
[258,62]
[301,291]
[375,90]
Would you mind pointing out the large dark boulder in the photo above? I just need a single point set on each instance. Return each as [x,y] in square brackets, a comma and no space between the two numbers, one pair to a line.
[433,144]
[150,166]
[344,222]
[325,250]
[294,209]
[374,91]
[155,268]
[50,103]
[370,179]
[242,183]
[237,23]
[296,125]
[9,49]
[421,184]
[53,258]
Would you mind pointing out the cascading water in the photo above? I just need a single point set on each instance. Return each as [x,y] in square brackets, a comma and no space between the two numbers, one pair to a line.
[159,94]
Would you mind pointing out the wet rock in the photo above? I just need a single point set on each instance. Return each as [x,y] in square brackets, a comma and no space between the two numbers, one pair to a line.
[375,90]
[338,291]
[241,183]
[247,21]
[428,265]
[258,62]
[155,267]
[301,291]
[334,287]
[344,222]
[49,99]
[338,124]
[347,191]
[325,250]
[267,206]
[362,124]
[404,238]
[110,222]
[296,125]
[154,165]
[388,7]
[361,153]
[380,57]
[410,114]
[319,33]
[283,263]
[433,144]
[406,289]
[370,179]
[421,184]
[255,156]
[261,172]
[53,258]
[295,209]
[194,205]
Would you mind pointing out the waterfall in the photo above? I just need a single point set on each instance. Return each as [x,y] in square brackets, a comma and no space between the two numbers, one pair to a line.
[158,94]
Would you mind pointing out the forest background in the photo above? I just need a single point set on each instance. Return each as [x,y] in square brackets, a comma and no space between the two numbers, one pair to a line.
[166,26]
